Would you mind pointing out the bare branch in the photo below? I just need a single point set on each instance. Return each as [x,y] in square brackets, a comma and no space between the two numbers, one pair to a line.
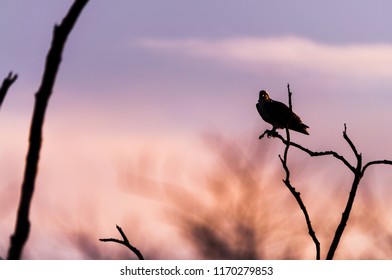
[7,82]
[290,94]
[349,205]
[309,152]
[124,242]
[358,172]
[53,59]
[352,146]
[385,161]
[296,194]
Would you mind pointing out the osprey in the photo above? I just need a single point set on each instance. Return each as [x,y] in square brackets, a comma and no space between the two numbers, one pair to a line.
[278,114]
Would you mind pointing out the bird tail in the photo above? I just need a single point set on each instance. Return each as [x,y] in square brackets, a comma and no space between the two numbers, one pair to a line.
[299,127]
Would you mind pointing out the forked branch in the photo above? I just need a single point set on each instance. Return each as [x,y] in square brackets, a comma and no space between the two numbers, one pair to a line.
[7,82]
[358,170]
[124,242]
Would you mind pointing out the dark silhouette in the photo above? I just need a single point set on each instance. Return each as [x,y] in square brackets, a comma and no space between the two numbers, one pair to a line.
[53,59]
[124,242]
[297,196]
[358,170]
[278,114]
[7,82]
[288,111]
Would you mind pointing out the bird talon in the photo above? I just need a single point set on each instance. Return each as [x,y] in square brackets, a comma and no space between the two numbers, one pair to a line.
[272,133]
[269,133]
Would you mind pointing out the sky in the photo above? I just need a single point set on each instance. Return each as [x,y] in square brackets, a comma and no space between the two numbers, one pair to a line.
[143,81]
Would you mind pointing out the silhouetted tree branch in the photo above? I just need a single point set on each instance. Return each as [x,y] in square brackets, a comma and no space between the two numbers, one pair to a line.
[293,191]
[309,152]
[346,214]
[124,242]
[290,95]
[297,197]
[7,82]
[358,171]
[384,161]
[53,59]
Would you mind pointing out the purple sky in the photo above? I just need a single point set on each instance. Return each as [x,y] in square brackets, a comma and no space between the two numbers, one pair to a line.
[137,74]
[105,63]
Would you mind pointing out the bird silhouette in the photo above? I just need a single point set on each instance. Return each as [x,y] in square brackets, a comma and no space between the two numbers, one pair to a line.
[278,114]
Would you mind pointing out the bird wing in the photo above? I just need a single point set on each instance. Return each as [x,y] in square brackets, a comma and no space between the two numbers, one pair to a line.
[278,113]
[280,116]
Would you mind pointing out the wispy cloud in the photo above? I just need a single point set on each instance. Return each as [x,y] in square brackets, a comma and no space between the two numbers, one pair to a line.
[372,60]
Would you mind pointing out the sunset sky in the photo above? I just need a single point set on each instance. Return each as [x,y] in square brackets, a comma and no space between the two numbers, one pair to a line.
[141,84]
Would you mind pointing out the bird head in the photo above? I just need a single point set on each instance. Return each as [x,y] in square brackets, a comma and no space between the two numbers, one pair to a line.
[263,96]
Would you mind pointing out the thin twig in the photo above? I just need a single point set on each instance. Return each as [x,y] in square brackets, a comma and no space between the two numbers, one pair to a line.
[352,146]
[384,161]
[7,82]
[290,94]
[60,35]
[124,242]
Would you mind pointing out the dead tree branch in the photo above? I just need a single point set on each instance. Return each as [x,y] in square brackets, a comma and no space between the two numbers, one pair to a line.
[358,171]
[124,242]
[309,152]
[384,161]
[346,213]
[53,59]
[293,191]
[7,82]
[290,94]
[297,196]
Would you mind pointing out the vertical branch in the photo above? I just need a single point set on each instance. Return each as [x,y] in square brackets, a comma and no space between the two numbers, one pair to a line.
[293,191]
[53,60]
[297,197]
[7,82]
[346,214]
[290,94]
